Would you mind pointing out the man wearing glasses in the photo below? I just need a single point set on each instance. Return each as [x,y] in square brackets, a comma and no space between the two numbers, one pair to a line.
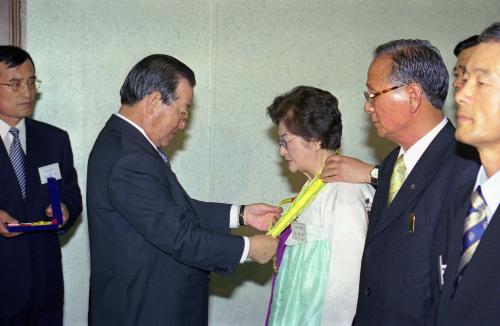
[407,87]
[350,169]
[152,247]
[31,279]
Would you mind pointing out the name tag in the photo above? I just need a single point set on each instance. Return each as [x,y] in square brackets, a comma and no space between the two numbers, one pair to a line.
[48,171]
[299,231]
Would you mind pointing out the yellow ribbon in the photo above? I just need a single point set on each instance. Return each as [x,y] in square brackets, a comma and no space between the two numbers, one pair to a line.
[303,199]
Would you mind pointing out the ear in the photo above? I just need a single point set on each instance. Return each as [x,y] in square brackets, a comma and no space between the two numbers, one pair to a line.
[315,144]
[153,101]
[415,93]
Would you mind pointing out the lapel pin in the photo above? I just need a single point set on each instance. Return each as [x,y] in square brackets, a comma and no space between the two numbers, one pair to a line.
[411,223]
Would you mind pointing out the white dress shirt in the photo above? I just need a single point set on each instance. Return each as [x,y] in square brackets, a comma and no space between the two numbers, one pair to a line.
[490,188]
[415,152]
[7,136]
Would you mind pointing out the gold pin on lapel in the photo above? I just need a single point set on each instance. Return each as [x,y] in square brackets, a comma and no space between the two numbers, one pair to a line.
[411,223]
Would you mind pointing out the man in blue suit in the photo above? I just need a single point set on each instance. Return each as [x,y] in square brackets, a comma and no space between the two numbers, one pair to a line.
[471,289]
[407,87]
[152,247]
[31,280]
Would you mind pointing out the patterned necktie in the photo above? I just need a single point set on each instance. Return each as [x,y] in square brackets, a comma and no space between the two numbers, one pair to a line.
[163,156]
[397,178]
[474,227]
[17,159]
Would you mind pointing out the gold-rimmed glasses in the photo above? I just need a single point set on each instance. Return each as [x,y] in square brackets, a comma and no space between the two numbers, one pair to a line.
[370,96]
[184,113]
[17,84]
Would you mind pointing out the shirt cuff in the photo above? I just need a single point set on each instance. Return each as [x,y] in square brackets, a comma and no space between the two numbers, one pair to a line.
[233,217]
[245,250]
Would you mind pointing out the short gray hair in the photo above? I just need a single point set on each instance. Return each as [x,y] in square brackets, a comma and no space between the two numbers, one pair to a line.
[418,61]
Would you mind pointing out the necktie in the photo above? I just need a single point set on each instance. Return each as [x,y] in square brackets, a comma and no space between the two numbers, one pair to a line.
[17,159]
[474,227]
[397,178]
[163,156]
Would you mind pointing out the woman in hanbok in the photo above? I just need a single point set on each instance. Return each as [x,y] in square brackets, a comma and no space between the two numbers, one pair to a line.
[318,276]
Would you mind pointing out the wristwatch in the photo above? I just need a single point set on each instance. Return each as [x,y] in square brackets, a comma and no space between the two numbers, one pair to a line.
[374,175]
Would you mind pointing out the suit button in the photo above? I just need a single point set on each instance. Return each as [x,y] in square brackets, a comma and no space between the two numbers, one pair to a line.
[367,292]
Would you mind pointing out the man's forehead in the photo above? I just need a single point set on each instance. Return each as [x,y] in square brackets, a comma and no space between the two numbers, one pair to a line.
[379,69]
[464,56]
[485,59]
[16,72]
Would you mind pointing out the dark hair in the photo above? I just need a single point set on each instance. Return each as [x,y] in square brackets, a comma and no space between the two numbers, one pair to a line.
[418,61]
[465,44]
[491,34]
[14,56]
[157,72]
[310,113]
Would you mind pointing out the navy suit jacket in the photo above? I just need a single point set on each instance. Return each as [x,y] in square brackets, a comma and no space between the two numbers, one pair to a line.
[476,300]
[31,263]
[399,277]
[152,247]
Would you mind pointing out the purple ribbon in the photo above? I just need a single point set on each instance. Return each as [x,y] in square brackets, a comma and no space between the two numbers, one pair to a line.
[279,256]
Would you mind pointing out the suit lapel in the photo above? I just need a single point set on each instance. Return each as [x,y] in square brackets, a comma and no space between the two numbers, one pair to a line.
[459,206]
[417,181]
[382,193]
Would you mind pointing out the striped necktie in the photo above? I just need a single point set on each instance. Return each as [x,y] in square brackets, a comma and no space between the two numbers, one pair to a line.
[17,159]
[397,178]
[474,227]
[163,156]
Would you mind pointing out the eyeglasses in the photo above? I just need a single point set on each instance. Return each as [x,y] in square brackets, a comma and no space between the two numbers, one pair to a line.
[284,143]
[370,96]
[17,84]
[184,113]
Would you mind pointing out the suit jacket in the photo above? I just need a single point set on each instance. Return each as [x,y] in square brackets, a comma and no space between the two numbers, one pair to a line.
[152,247]
[399,277]
[476,299]
[31,263]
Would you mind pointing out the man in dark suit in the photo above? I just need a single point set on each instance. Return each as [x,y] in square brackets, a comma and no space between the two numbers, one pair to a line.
[31,280]
[341,168]
[152,247]
[471,290]
[407,86]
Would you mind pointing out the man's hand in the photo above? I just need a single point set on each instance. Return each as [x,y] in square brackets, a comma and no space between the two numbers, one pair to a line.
[346,169]
[260,216]
[64,210]
[5,218]
[262,248]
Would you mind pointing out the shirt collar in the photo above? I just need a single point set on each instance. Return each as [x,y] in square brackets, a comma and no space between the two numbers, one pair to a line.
[138,128]
[415,152]
[6,137]
[490,188]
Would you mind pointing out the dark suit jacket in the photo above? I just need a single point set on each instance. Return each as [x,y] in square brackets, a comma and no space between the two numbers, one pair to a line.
[477,298]
[399,279]
[31,263]
[152,247]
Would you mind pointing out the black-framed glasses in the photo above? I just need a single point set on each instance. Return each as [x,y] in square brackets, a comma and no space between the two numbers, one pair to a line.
[370,96]
[282,142]
[184,113]
[17,84]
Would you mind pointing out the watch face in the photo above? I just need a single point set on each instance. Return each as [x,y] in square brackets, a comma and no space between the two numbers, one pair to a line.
[374,172]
